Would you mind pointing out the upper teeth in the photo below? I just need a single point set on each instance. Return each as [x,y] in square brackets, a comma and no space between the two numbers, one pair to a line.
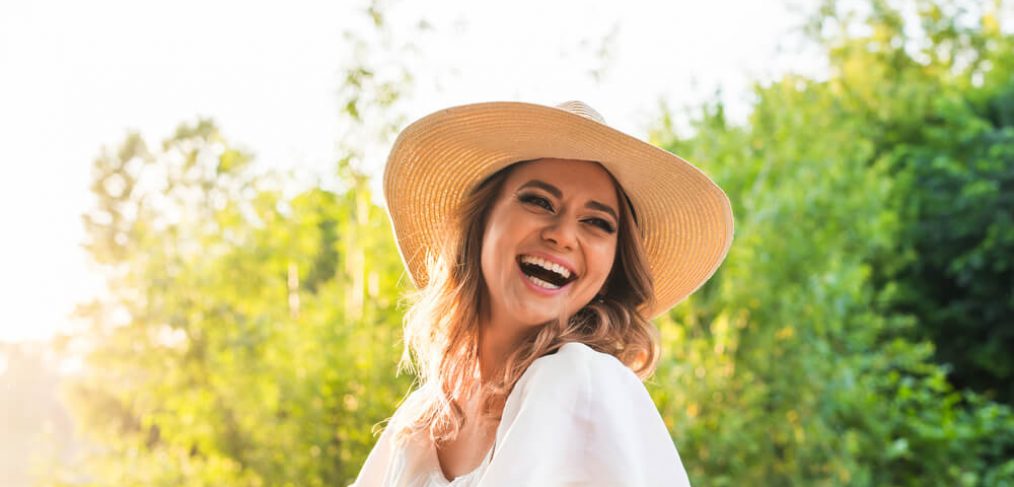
[545,264]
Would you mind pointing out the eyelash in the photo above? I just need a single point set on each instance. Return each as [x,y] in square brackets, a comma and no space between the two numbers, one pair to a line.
[546,205]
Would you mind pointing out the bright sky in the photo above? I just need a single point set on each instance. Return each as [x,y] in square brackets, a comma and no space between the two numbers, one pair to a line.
[75,76]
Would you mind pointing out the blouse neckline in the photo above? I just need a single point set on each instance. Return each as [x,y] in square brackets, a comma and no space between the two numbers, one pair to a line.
[437,473]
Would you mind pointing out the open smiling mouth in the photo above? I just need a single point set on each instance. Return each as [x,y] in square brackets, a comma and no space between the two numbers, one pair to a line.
[545,274]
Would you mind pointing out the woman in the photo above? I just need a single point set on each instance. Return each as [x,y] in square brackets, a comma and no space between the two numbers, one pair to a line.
[542,241]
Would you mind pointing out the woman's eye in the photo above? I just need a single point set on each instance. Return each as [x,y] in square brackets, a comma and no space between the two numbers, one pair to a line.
[536,200]
[598,222]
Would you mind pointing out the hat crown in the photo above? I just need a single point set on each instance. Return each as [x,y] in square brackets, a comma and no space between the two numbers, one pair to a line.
[581,108]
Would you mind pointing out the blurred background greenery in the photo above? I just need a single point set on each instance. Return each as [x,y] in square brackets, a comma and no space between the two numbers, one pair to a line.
[859,333]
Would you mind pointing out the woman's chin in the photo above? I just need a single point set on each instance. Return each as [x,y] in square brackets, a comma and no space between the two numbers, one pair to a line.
[538,313]
[533,319]
[532,309]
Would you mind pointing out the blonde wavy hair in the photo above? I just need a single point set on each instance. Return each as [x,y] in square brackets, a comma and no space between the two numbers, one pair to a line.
[441,326]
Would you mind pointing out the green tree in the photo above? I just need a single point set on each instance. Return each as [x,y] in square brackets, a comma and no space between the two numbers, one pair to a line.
[795,365]
[250,334]
[244,327]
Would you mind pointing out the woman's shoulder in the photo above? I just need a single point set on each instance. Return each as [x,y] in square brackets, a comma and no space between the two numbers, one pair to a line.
[577,356]
[583,417]
[574,354]
[577,367]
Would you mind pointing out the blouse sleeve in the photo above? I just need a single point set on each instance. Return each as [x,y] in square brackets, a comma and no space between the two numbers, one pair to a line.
[582,418]
[377,462]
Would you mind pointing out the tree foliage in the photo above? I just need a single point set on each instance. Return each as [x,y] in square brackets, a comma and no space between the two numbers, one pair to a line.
[857,334]
[868,205]
[250,335]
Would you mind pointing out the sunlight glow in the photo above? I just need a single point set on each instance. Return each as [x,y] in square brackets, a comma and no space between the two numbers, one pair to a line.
[76,82]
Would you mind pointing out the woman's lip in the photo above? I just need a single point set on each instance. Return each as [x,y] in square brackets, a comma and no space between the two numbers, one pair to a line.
[552,258]
[541,290]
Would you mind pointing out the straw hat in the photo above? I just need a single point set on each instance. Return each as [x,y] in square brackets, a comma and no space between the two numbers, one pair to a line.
[685,218]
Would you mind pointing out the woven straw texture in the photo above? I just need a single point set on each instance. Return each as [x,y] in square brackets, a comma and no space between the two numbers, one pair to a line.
[686,219]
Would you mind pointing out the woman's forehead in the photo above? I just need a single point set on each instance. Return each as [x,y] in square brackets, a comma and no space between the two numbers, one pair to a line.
[571,177]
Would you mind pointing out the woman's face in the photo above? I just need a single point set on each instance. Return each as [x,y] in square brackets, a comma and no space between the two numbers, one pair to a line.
[550,240]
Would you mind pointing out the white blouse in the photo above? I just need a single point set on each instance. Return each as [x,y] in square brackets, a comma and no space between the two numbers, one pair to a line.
[576,417]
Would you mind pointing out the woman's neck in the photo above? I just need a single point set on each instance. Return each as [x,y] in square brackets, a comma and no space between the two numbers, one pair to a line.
[497,340]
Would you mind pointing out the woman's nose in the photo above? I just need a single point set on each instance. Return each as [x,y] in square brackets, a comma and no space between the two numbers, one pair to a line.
[562,233]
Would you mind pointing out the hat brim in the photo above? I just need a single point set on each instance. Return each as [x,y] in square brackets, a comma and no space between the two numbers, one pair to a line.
[685,218]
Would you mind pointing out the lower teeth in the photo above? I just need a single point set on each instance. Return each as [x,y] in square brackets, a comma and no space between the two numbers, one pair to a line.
[541,283]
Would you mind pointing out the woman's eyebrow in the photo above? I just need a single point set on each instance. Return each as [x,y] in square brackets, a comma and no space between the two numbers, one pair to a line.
[595,205]
[553,190]
[549,188]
